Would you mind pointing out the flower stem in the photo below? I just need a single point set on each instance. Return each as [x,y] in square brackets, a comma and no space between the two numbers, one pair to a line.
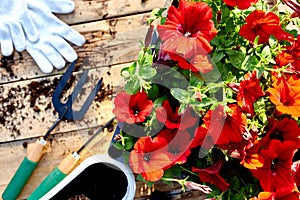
[184,169]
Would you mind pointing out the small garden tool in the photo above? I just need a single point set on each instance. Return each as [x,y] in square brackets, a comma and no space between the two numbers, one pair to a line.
[65,111]
[64,168]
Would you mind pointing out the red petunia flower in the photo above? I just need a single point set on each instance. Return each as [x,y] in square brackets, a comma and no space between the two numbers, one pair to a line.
[295,195]
[263,24]
[187,33]
[252,158]
[132,108]
[172,119]
[180,146]
[212,175]
[147,158]
[284,130]
[179,142]
[276,174]
[285,95]
[198,63]
[199,135]
[225,127]
[241,4]
[249,91]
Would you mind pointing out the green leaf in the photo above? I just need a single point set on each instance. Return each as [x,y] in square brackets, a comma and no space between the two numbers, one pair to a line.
[158,102]
[266,52]
[145,58]
[153,92]
[129,71]
[147,72]
[263,117]
[180,94]
[256,40]
[196,81]
[250,63]
[236,58]
[273,42]
[129,143]
[158,11]
[132,86]
[217,56]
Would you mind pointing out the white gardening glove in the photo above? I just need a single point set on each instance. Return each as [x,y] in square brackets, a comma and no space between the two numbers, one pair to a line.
[15,25]
[52,49]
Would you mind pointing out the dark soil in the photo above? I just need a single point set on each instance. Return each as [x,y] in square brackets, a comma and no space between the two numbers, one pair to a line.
[79,197]
[98,181]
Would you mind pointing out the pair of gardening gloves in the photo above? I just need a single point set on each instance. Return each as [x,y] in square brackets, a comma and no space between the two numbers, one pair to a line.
[31,25]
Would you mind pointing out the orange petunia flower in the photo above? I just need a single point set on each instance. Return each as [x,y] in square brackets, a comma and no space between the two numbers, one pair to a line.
[285,94]
[264,196]
[290,56]
[147,158]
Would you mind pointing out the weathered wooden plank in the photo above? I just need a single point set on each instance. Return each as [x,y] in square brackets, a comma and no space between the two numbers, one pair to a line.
[108,42]
[11,155]
[93,10]
[26,110]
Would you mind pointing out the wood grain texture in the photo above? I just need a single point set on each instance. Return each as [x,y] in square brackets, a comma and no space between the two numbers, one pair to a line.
[112,30]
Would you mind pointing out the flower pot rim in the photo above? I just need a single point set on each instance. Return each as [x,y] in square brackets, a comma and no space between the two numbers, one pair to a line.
[97,158]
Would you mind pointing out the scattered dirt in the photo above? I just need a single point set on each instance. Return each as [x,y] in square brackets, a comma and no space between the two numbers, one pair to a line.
[6,63]
[19,102]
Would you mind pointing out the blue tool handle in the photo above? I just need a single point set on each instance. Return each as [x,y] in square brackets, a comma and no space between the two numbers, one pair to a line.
[24,171]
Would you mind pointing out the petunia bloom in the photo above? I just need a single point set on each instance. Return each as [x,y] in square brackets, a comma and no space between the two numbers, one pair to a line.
[276,174]
[179,142]
[264,196]
[241,4]
[284,130]
[290,56]
[172,119]
[187,34]
[212,175]
[132,108]
[225,126]
[285,95]
[263,24]
[147,159]
[249,91]
[197,63]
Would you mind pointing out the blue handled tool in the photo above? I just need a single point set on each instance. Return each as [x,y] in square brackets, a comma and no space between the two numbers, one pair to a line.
[65,111]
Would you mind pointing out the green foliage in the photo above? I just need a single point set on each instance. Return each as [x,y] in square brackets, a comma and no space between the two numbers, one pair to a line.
[139,74]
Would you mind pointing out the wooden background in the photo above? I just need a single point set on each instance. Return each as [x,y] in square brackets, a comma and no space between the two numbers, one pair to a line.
[112,29]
